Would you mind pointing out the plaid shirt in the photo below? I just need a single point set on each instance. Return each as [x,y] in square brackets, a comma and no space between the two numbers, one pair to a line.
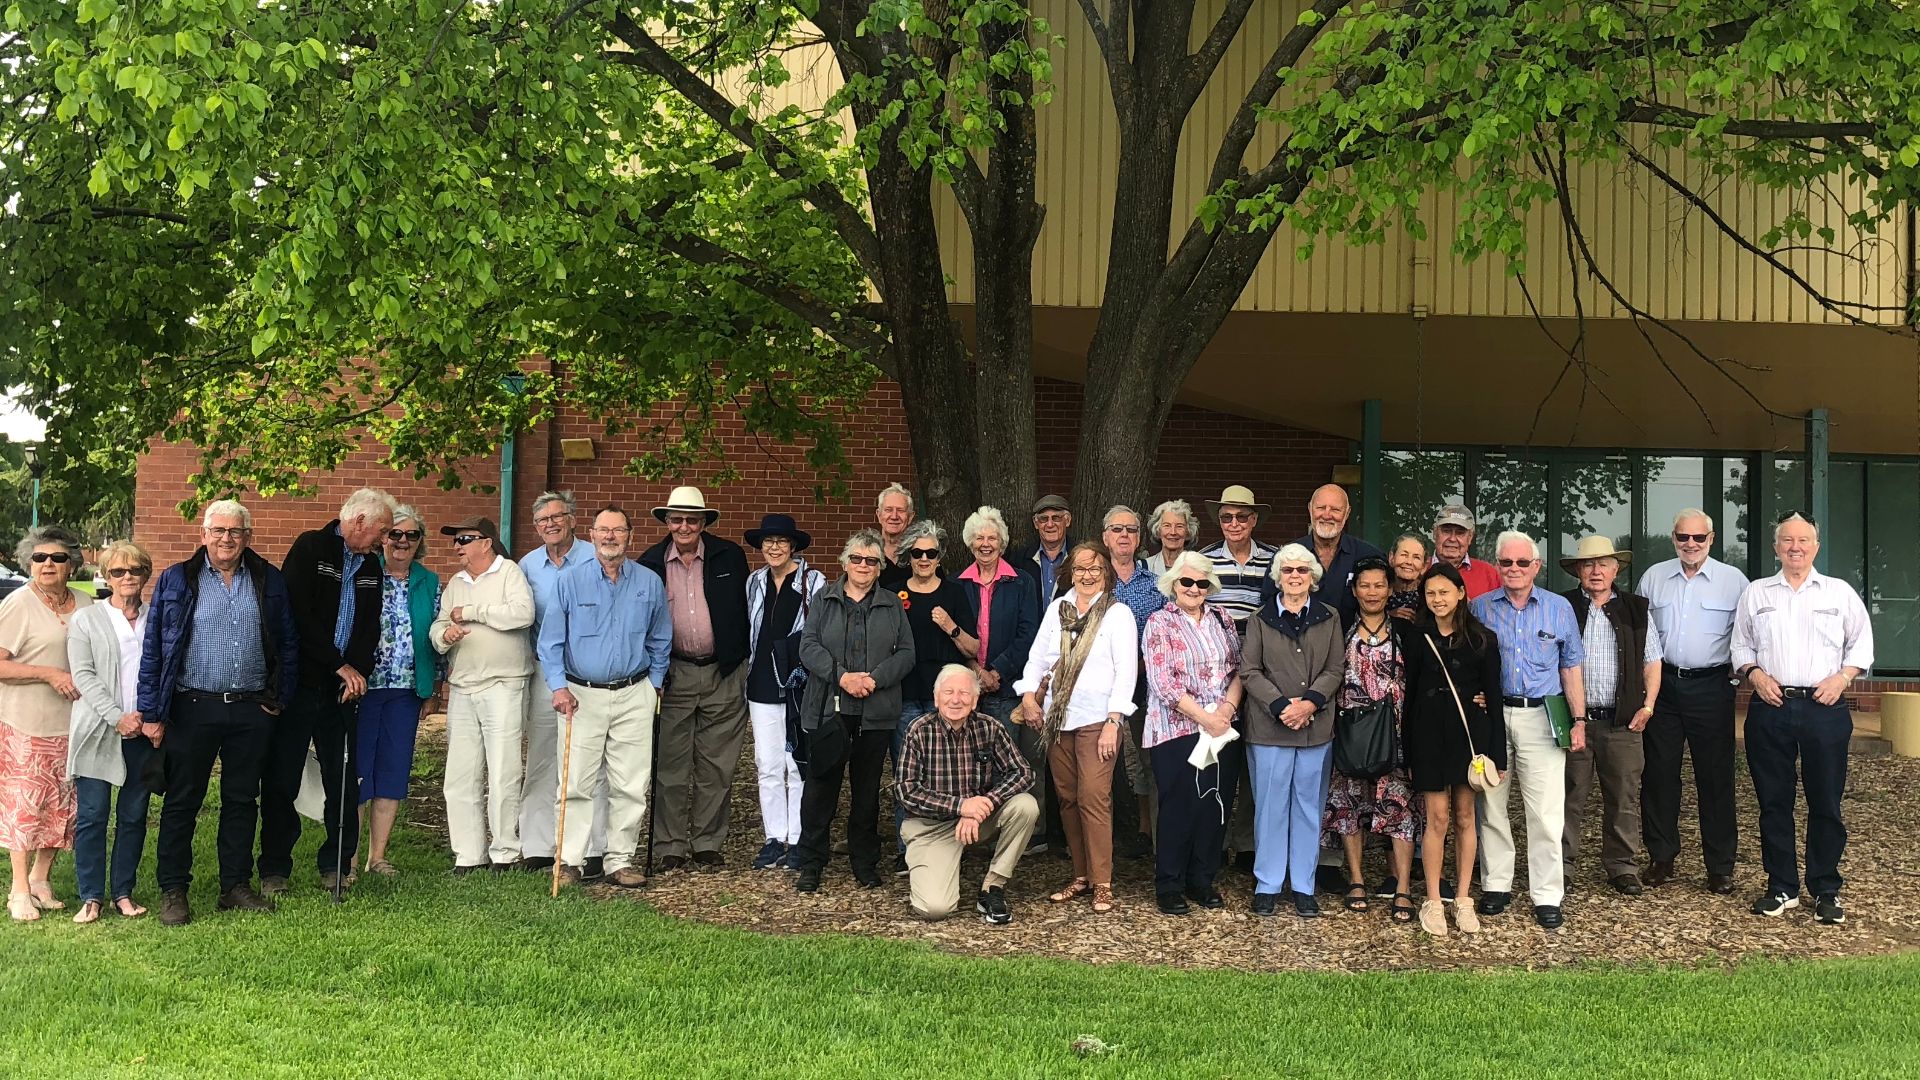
[941,767]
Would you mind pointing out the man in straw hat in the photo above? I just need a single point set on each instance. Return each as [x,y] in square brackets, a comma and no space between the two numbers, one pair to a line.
[1622,676]
[703,713]
[1242,564]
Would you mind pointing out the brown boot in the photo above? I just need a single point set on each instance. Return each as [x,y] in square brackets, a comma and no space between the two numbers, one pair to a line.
[243,898]
[173,908]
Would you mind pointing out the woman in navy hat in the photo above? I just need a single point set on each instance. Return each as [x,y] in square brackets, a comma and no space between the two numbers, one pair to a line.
[778,598]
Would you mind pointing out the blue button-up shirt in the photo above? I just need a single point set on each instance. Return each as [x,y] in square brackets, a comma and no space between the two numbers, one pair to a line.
[1536,641]
[224,655]
[1336,583]
[605,631]
[1141,593]
[1694,614]
[542,574]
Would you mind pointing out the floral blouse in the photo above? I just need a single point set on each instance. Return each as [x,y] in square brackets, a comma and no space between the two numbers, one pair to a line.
[1184,657]
[393,657]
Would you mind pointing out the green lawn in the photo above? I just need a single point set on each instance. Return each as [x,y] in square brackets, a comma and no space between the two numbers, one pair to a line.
[486,977]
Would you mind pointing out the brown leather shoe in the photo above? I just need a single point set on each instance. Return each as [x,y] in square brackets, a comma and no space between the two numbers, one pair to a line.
[274,886]
[569,875]
[627,877]
[1720,884]
[709,860]
[1626,884]
[1659,873]
[243,898]
[173,908]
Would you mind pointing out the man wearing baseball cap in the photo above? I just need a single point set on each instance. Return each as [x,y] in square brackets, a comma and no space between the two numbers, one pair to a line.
[1452,539]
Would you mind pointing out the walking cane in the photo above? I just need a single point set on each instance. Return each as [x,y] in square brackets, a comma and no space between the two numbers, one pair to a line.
[653,781]
[340,836]
[560,819]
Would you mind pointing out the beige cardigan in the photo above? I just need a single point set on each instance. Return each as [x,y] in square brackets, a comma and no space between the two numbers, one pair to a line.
[499,609]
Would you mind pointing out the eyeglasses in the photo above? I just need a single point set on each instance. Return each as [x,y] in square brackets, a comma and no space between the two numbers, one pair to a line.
[1521,563]
[127,571]
[610,530]
[1054,517]
[551,519]
[1195,583]
[863,560]
[236,532]
[1235,515]
[923,554]
[57,558]
[1129,530]
[464,540]
[405,536]
[1698,538]
[775,541]
[1296,569]
[685,519]
[1086,569]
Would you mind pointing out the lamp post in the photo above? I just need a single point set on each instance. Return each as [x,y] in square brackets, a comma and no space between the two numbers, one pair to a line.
[36,468]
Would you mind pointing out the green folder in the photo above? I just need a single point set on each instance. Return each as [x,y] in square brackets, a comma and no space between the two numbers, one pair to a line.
[1560,715]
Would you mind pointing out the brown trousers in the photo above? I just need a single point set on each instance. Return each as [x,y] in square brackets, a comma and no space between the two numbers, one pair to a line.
[1613,754]
[1084,783]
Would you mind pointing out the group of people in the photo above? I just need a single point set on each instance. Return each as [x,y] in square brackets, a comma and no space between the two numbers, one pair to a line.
[1248,701]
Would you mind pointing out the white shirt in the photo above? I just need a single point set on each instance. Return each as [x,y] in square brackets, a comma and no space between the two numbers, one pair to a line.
[131,636]
[491,567]
[1801,636]
[1106,680]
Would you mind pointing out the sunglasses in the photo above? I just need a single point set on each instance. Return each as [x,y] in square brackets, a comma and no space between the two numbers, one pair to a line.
[127,571]
[464,540]
[923,554]
[863,560]
[1236,515]
[1791,514]
[405,536]
[1195,583]
[1698,538]
[1521,563]
[1296,569]
[57,558]
[1126,529]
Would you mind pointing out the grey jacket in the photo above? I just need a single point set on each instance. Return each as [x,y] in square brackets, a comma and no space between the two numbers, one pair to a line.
[93,658]
[1287,658]
[825,651]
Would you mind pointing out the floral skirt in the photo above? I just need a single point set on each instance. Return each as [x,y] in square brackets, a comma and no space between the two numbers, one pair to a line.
[36,798]
[1388,806]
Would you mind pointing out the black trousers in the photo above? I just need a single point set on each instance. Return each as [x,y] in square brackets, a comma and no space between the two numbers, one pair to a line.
[1696,714]
[315,717]
[1194,810]
[820,801]
[199,733]
[1819,736]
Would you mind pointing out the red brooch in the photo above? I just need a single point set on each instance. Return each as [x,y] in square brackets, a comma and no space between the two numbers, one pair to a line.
[905,604]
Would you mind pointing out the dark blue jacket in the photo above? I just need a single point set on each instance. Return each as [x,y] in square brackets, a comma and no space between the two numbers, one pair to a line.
[170,625]
[1011,626]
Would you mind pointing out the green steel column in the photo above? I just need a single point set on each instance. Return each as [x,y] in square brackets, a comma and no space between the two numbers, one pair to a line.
[1372,498]
[1760,521]
[1712,500]
[1817,479]
[514,384]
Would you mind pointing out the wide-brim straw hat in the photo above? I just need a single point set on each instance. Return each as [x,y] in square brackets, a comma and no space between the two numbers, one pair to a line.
[686,500]
[1594,547]
[1237,495]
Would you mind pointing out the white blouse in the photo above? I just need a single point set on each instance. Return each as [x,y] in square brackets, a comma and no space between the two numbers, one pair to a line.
[131,636]
[1106,680]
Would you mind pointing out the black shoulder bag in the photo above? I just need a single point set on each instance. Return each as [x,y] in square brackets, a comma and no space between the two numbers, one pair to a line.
[1366,737]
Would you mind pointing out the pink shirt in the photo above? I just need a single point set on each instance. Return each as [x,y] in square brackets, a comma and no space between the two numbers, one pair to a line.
[972,573]
[687,602]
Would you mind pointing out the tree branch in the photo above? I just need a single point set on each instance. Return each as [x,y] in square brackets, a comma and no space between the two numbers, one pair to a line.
[1203,61]
[103,213]
[1229,160]
[1657,114]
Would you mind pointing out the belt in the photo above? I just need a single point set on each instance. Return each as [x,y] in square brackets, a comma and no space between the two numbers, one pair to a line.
[1601,712]
[1796,692]
[229,697]
[697,661]
[1714,672]
[617,684]
[1525,702]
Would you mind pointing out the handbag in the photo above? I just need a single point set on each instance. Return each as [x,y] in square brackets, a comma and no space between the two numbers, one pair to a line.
[1366,740]
[1482,773]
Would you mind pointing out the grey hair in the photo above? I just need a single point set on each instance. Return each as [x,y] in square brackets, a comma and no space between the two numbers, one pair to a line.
[860,541]
[50,534]
[1120,508]
[1168,509]
[226,508]
[1514,536]
[1189,560]
[952,670]
[925,527]
[1426,549]
[1296,555]
[1795,516]
[369,503]
[895,488]
[545,497]
[405,512]
[984,518]
[1693,512]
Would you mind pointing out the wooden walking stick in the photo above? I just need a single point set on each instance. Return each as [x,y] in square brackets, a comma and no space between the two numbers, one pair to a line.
[560,818]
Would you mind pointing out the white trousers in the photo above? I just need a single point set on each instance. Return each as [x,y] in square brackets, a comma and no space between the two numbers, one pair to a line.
[780,779]
[482,785]
[1539,770]
[612,737]
[542,784]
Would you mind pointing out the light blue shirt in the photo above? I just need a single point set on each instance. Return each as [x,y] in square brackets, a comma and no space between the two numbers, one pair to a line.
[224,654]
[1694,614]
[1536,641]
[605,631]
[542,574]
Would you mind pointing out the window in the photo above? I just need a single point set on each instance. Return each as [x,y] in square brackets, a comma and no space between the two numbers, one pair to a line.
[1510,493]
[1591,498]
[1893,574]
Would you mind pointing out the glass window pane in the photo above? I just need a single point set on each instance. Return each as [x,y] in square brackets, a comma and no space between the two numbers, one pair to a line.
[1840,540]
[1593,498]
[1730,517]
[1511,493]
[1417,484]
[1893,520]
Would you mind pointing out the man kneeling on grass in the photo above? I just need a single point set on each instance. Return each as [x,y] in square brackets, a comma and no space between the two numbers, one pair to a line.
[962,780]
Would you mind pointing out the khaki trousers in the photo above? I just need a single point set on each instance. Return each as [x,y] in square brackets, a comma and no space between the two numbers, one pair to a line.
[933,853]
[612,737]
[541,785]
[1614,754]
[1539,770]
[1085,785]
[482,783]
[703,725]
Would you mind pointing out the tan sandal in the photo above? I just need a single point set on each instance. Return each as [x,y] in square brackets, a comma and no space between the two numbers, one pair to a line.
[127,909]
[89,912]
[1075,889]
[1102,899]
[383,868]
[43,897]
[20,907]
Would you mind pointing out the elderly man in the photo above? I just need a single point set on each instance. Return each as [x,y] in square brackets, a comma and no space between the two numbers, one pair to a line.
[1800,638]
[1452,540]
[1337,549]
[220,662]
[962,781]
[1240,562]
[893,511]
[1047,555]
[1540,656]
[559,550]
[1139,589]
[1693,598]
[703,713]
[1621,677]
[333,578]
[485,611]
[605,646]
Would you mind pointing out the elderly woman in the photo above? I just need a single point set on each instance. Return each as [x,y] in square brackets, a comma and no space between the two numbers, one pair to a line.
[1407,560]
[104,746]
[1077,691]
[857,648]
[1192,655]
[779,596]
[1002,615]
[36,692]
[405,670]
[1174,529]
[1293,663]
[942,634]
[1376,674]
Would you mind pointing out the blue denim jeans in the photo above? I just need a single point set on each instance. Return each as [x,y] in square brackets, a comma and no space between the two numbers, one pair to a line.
[909,712]
[95,799]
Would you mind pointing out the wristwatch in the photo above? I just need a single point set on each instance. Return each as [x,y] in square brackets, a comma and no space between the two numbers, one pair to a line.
[1579,719]
[954,633]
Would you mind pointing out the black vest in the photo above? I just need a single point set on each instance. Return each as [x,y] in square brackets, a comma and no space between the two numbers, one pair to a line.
[1628,614]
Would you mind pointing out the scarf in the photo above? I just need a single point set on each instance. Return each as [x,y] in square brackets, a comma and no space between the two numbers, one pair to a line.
[1077,634]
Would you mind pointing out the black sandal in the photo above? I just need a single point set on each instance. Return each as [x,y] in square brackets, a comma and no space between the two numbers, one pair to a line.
[1402,915]
[1356,903]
